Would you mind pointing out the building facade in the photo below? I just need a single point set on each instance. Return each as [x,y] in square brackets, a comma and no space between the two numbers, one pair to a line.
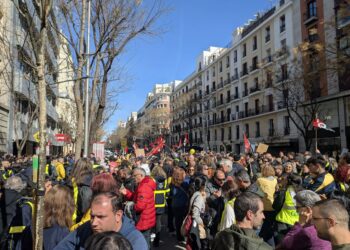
[18,84]
[242,89]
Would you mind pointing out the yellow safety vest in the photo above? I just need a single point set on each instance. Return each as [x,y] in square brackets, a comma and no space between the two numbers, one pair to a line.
[342,186]
[7,174]
[161,195]
[288,213]
[75,196]
[228,203]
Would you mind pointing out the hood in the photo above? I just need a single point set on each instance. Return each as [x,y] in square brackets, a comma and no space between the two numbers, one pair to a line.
[127,226]
[245,236]
[149,182]
[11,196]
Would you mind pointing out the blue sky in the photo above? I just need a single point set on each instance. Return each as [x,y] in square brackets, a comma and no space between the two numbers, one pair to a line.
[191,27]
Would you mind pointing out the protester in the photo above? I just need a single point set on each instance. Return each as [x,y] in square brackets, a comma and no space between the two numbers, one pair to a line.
[249,214]
[108,241]
[144,205]
[80,181]
[106,215]
[303,234]
[58,211]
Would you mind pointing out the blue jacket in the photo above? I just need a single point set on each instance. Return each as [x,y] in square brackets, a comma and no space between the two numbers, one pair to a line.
[76,239]
[179,195]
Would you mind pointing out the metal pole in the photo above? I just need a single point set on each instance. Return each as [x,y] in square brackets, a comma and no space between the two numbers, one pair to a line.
[86,141]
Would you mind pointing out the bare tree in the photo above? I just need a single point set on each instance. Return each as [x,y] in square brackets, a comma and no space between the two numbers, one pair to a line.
[114,24]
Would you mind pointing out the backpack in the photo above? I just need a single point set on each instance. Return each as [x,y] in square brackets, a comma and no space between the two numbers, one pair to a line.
[22,220]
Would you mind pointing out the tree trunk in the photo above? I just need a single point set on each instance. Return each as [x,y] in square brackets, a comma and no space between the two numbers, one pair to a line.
[39,195]
[78,87]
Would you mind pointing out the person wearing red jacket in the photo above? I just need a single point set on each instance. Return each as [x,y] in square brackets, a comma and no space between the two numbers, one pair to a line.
[144,204]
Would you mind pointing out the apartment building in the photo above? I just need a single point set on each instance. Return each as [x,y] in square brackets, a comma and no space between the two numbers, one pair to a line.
[19,84]
[153,119]
[240,85]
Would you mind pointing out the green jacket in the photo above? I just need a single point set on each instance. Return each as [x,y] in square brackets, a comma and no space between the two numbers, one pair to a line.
[235,238]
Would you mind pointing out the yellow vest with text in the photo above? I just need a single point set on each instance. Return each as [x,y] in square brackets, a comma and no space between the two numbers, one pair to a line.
[288,213]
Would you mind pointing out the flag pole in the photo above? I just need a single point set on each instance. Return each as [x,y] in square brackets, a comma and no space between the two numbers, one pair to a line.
[316,135]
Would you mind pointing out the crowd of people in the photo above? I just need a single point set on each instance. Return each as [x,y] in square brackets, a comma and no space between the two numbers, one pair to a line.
[207,200]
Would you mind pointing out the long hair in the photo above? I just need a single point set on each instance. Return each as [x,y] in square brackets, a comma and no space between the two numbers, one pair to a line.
[58,207]
[104,182]
[82,168]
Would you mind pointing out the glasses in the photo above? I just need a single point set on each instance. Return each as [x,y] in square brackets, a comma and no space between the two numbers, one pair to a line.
[222,180]
[191,170]
[135,175]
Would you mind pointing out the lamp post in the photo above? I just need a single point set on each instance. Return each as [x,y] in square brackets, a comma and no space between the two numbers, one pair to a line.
[86,141]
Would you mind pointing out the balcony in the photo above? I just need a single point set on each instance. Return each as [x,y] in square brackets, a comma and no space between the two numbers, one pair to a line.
[267,38]
[227,81]
[271,132]
[310,18]
[234,77]
[268,84]
[281,105]
[282,52]
[267,59]
[236,96]
[244,73]
[213,89]
[282,28]
[245,93]
[255,89]
[220,85]
[286,130]
[253,67]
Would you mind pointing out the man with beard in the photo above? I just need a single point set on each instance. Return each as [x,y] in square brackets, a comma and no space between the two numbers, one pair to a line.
[249,214]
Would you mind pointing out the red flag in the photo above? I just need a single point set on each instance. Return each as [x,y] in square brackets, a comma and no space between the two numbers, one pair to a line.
[155,150]
[246,143]
[317,123]
[180,143]
[186,140]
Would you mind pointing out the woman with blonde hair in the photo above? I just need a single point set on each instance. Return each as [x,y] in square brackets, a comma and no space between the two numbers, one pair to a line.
[58,211]
[267,183]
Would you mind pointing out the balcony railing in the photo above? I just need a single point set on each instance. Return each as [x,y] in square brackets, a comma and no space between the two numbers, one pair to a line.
[244,72]
[234,77]
[271,132]
[255,89]
[286,130]
[253,67]
[245,93]
[220,85]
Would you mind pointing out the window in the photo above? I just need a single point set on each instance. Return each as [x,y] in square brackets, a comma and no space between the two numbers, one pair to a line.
[215,135]
[245,93]
[286,125]
[255,43]
[228,114]
[237,108]
[257,130]
[284,70]
[208,135]
[284,45]
[246,109]
[222,134]
[255,63]
[311,9]
[199,66]
[267,34]
[236,92]
[245,69]
[220,66]
[236,73]
[257,106]
[247,130]
[235,56]
[237,132]
[271,127]
[207,89]
[213,72]
[268,79]
[227,61]
[221,98]
[207,75]
[228,94]
[268,56]
[244,50]
[282,24]
[229,137]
